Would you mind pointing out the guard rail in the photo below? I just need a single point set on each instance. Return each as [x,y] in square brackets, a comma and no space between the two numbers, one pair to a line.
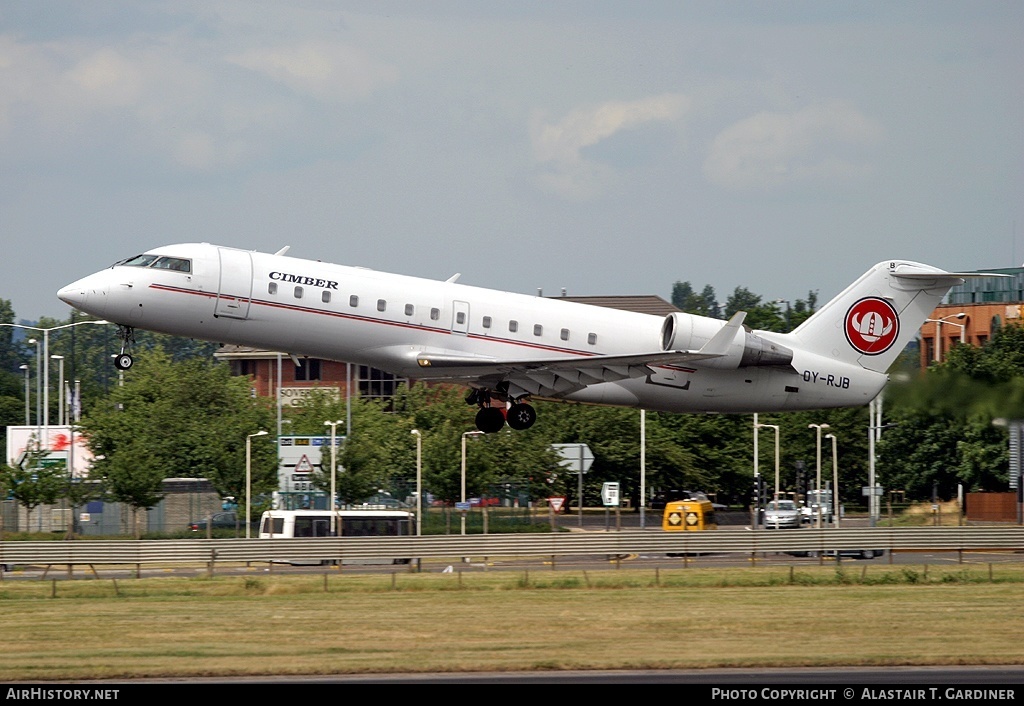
[213,551]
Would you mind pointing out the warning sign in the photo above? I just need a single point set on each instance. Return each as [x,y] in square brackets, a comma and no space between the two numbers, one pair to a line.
[674,519]
[556,503]
[691,519]
[303,465]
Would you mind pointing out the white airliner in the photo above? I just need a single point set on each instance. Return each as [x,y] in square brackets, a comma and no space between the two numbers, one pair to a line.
[510,348]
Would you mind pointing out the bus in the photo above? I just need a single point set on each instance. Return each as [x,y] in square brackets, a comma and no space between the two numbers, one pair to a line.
[286,524]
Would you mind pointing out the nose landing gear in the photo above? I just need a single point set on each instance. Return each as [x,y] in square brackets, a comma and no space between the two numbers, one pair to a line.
[123,360]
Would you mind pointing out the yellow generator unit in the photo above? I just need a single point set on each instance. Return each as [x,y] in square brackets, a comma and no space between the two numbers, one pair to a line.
[688,515]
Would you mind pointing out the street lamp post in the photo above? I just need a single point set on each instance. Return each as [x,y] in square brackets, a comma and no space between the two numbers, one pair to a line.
[776,428]
[419,481]
[39,394]
[248,476]
[818,427]
[334,467]
[874,419]
[835,482]
[937,356]
[60,390]
[462,494]
[28,417]
[786,302]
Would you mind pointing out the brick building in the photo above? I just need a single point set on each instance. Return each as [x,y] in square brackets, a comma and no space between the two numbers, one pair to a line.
[972,312]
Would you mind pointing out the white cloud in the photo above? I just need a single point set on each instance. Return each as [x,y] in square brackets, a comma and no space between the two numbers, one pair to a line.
[775,149]
[557,147]
[332,72]
[107,78]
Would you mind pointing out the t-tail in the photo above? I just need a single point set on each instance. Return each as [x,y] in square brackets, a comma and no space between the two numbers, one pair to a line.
[872,320]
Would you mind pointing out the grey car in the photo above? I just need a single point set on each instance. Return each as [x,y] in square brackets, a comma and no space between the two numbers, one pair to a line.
[781,514]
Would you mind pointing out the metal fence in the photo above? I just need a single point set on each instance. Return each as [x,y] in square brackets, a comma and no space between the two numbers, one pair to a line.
[568,544]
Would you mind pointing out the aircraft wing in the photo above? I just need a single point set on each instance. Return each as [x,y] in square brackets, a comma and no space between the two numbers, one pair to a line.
[557,377]
[547,377]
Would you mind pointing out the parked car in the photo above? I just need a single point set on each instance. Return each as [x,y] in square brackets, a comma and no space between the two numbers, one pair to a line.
[781,514]
[380,501]
[218,520]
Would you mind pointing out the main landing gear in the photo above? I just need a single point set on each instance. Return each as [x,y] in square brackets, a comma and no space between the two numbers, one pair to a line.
[123,360]
[489,419]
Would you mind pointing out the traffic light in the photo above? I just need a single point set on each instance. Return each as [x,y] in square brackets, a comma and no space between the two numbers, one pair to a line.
[757,495]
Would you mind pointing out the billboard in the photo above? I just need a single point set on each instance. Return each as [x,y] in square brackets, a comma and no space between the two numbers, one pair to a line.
[64,443]
[299,457]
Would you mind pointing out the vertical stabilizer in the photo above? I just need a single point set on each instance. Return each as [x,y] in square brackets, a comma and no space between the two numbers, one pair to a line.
[873,319]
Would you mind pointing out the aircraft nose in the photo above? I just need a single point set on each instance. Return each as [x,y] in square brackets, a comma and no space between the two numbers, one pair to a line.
[86,295]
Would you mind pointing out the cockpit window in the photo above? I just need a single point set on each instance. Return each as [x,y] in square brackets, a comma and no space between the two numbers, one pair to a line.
[178,264]
[138,261]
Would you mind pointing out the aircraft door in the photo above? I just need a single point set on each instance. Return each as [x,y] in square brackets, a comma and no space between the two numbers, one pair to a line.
[460,317]
[234,292]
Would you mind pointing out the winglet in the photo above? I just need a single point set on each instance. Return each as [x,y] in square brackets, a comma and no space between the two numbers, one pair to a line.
[720,342]
[283,250]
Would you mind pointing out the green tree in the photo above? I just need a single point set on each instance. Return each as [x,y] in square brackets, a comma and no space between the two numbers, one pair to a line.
[1000,360]
[178,419]
[945,435]
[703,304]
[36,481]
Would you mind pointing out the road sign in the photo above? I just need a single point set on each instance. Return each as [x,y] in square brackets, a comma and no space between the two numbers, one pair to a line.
[303,465]
[576,457]
[556,503]
[610,494]
[462,506]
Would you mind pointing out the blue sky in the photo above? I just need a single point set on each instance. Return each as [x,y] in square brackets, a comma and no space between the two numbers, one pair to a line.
[600,147]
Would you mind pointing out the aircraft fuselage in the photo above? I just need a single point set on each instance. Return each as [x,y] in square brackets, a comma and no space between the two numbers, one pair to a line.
[387,321]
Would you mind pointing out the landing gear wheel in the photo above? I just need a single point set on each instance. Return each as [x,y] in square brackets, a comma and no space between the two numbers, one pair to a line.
[521,416]
[123,360]
[490,420]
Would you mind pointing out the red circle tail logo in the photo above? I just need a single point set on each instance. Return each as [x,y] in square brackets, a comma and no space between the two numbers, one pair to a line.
[872,326]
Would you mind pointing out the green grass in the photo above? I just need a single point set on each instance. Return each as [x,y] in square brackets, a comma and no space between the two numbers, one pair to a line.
[331,623]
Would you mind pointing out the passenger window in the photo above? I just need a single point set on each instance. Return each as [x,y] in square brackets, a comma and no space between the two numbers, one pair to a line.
[513,326]
[272,288]
[538,330]
[353,300]
[382,305]
[298,292]
[592,338]
[435,314]
[487,322]
[409,309]
[325,297]
[460,317]
[564,334]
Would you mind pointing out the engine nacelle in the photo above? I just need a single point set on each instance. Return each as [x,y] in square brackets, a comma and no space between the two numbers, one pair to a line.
[686,332]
